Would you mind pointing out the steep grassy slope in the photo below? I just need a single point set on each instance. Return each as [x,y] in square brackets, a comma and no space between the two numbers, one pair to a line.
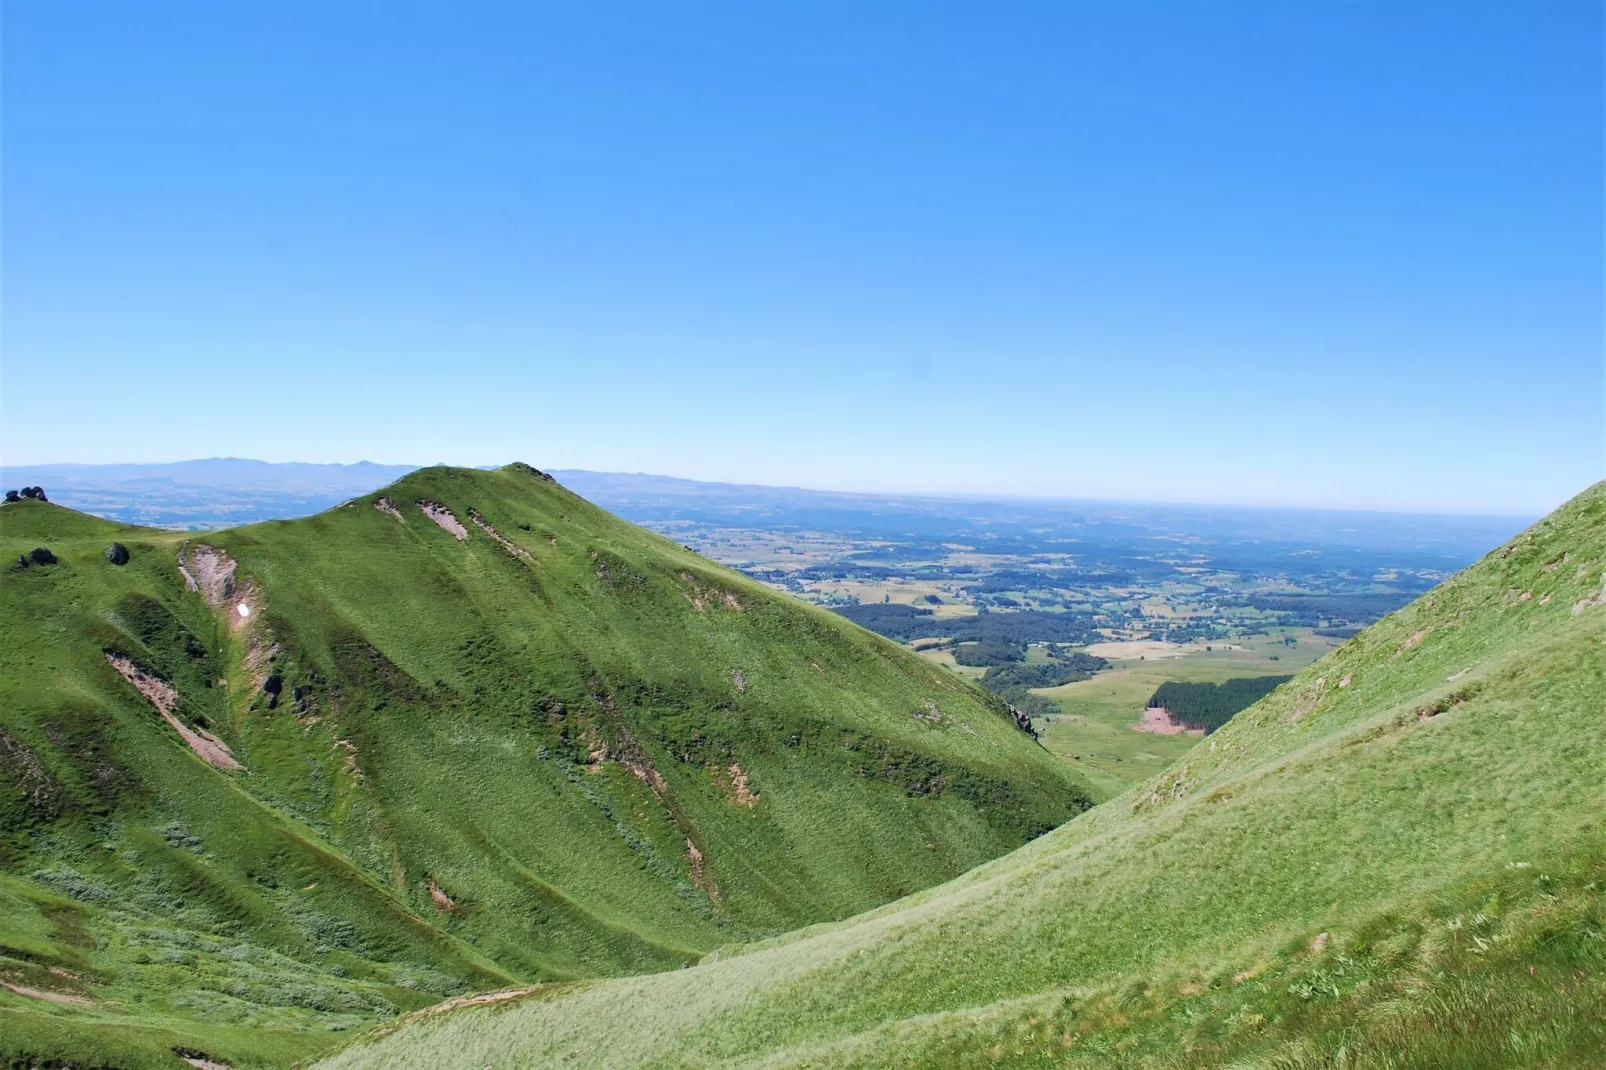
[289,778]
[1395,860]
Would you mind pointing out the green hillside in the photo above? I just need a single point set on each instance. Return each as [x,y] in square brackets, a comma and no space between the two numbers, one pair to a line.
[261,786]
[1397,859]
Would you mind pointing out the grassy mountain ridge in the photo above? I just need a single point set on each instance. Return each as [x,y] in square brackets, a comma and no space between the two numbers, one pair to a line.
[486,733]
[1396,859]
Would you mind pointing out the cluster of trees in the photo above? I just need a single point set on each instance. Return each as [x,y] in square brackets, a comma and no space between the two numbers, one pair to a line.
[1313,610]
[26,492]
[1209,706]
[1079,666]
[989,652]
[903,623]
[899,622]
[1026,626]
[1014,682]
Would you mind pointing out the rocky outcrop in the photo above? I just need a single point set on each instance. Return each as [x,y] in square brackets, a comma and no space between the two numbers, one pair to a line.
[531,470]
[208,571]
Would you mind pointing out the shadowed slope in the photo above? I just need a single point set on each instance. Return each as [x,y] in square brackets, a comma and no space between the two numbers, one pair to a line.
[1397,859]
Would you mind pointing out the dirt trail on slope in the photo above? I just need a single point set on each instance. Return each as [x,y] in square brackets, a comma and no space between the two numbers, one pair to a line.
[742,794]
[628,752]
[502,540]
[164,697]
[454,1004]
[51,997]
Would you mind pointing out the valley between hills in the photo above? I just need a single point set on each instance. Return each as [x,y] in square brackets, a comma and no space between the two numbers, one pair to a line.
[470,772]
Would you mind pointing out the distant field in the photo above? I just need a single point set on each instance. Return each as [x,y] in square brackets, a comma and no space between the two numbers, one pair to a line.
[1095,731]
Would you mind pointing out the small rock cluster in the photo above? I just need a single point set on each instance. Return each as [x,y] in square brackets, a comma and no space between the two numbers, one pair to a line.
[1022,722]
[531,470]
[39,555]
[26,492]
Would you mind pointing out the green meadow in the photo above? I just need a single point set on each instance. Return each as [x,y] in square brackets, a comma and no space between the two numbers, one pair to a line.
[1095,728]
[263,788]
[1397,859]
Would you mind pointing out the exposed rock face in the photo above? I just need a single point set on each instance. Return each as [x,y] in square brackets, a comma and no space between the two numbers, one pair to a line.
[41,555]
[117,554]
[209,571]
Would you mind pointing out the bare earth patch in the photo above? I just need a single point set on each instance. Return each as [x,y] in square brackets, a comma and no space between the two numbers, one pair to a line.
[202,1063]
[444,519]
[1596,599]
[741,793]
[1412,640]
[701,596]
[1157,719]
[1308,700]
[259,657]
[695,857]
[162,695]
[49,997]
[210,571]
[454,1004]
[438,896]
[388,507]
[349,766]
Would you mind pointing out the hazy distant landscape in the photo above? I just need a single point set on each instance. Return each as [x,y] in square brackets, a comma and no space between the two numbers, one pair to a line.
[1158,593]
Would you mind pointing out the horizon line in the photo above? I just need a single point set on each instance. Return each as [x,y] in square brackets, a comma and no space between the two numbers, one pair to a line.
[930,495]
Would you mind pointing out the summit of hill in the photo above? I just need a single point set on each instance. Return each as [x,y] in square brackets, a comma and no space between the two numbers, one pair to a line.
[268,784]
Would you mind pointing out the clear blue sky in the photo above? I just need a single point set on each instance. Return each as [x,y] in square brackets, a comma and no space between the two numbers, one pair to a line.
[1342,254]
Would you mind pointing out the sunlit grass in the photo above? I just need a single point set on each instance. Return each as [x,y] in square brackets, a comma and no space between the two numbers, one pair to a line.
[453,787]
[1396,860]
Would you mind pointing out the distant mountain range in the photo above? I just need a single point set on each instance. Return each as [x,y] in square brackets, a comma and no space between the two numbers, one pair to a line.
[229,491]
